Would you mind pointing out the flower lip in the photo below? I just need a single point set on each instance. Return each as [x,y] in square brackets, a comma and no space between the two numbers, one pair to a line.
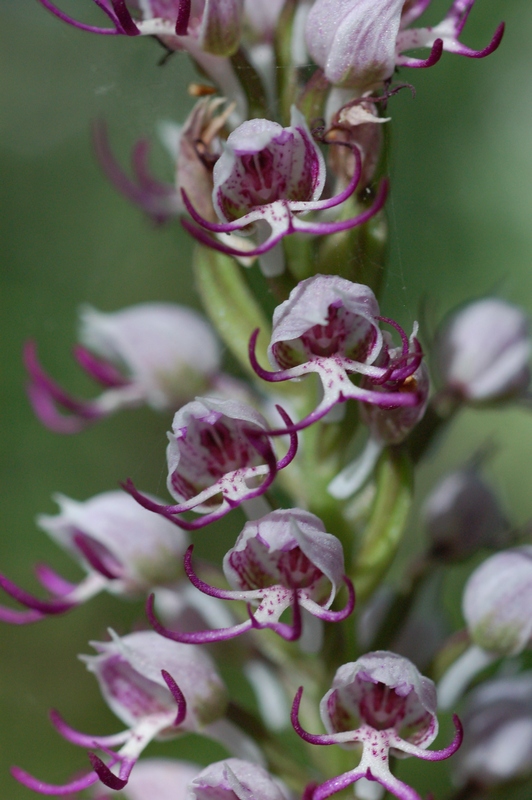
[145,354]
[118,539]
[158,199]
[216,29]
[118,14]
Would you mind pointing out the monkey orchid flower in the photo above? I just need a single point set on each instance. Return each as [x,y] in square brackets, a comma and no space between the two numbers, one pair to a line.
[330,326]
[383,703]
[142,677]
[359,43]
[265,178]
[283,559]
[123,549]
[219,455]
[155,354]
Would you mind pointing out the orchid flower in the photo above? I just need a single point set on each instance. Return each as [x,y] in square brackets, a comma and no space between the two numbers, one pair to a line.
[142,677]
[159,354]
[283,559]
[217,448]
[265,178]
[359,43]
[330,326]
[123,549]
[383,703]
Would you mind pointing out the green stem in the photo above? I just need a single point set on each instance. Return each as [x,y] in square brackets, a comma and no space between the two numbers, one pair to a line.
[251,84]
[391,506]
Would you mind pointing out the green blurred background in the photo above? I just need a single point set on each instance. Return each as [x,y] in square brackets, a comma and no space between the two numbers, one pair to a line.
[460,211]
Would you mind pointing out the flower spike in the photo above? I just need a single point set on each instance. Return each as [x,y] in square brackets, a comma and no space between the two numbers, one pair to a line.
[285,559]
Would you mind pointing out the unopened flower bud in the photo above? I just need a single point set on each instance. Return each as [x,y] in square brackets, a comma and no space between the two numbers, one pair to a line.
[498,733]
[393,425]
[234,778]
[461,514]
[482,352]
[497,602]
[358,125]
